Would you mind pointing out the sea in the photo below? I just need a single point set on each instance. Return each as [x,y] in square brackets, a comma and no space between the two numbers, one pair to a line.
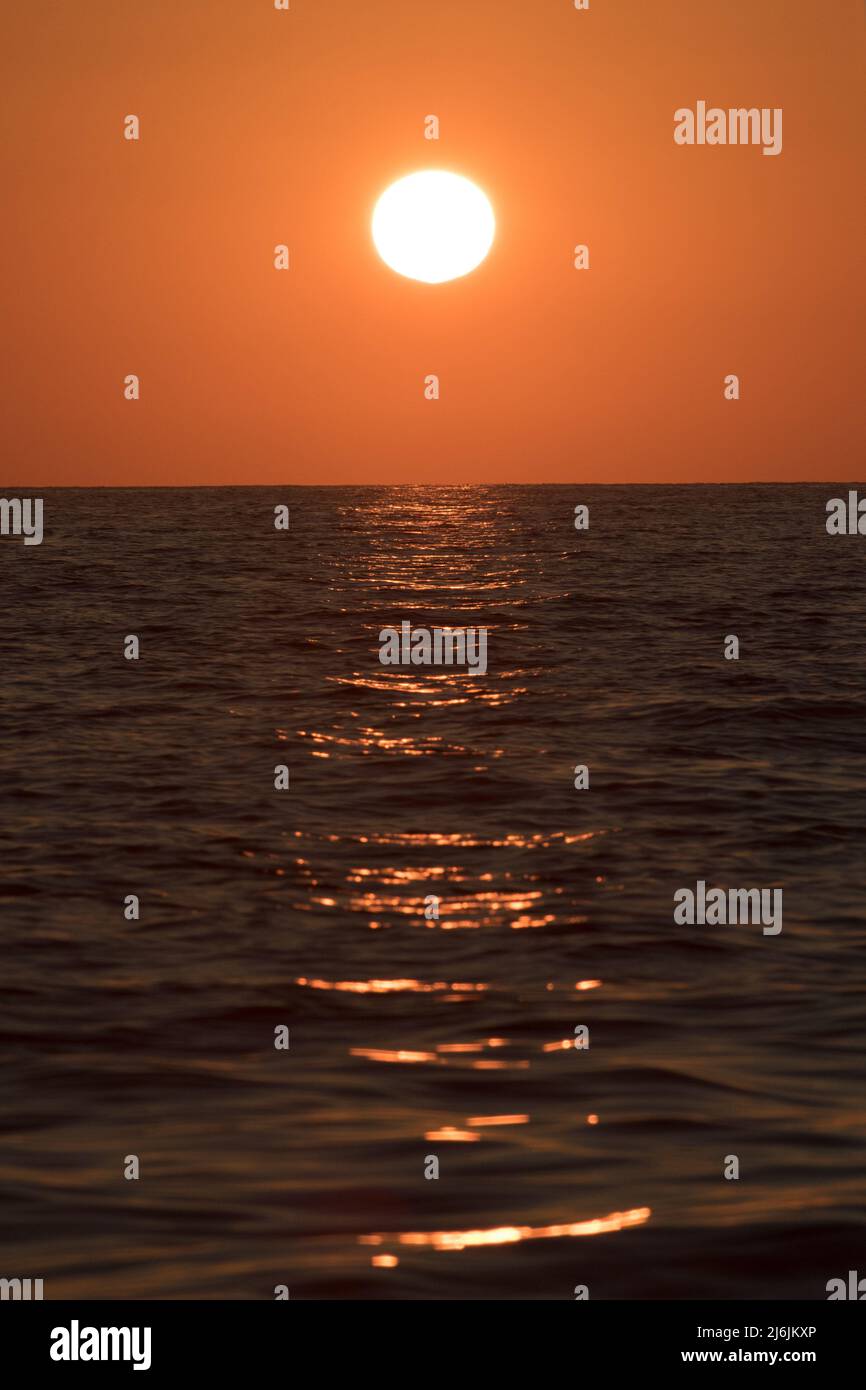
[330,979]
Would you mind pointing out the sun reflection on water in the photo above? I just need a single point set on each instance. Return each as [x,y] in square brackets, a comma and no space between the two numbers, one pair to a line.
[507,1235]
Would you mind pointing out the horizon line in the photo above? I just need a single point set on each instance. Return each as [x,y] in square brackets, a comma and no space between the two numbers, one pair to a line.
[190,487]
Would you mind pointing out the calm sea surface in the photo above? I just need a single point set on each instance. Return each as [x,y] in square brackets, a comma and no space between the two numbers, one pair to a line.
[305,908]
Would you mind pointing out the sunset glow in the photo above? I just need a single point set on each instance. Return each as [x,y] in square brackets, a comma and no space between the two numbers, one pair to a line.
[432,549]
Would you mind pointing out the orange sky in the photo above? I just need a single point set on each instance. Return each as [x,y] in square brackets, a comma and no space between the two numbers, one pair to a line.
[260,127]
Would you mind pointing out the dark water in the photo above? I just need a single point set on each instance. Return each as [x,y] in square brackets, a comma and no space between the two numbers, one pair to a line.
[305,908]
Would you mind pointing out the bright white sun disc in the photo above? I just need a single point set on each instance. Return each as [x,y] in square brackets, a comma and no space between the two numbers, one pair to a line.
[433,226]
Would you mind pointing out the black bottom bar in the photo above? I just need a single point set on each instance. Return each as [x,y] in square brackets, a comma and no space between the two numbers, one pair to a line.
[394,1341]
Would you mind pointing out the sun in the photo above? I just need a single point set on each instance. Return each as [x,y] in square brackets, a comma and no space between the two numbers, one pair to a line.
[433,226]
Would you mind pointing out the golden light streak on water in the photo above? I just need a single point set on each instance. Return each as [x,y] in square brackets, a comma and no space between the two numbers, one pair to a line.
[408,986]
[381,1054]
[491,1065]
[509,1235]
[449,1135]
[441,840]
[478,1121]
[443,1054]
